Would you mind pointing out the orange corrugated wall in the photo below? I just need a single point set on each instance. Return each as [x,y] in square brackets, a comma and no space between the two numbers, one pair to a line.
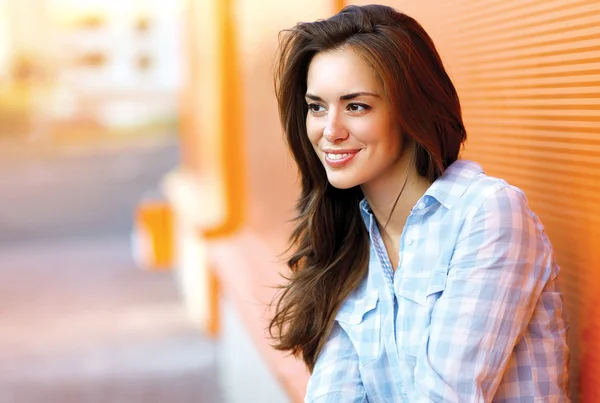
[528,75]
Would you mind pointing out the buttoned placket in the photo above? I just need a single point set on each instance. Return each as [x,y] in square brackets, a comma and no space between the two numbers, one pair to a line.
[390,279]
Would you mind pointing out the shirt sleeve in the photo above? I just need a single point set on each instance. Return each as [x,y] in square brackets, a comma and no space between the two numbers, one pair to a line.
[336,376]
[500,265]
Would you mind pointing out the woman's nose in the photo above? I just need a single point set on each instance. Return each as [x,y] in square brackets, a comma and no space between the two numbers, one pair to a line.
[335,131]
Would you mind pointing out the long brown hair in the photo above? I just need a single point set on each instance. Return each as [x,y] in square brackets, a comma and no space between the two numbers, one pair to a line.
[330,244]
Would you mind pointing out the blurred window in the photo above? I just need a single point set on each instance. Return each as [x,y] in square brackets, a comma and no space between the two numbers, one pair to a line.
[142,25]
[143,62]
[92,59]
[91,22]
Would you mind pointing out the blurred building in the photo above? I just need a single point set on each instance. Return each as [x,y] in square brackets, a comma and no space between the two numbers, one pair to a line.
[24,51]
[93,64]
[5,45]
[119,62]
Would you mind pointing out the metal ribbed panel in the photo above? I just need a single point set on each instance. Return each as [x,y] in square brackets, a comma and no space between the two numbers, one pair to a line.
[528,74]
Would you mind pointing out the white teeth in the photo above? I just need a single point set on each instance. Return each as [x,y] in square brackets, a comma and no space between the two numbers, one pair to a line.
[337,156]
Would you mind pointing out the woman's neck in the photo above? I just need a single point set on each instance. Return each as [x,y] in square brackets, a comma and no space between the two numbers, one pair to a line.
[402,189]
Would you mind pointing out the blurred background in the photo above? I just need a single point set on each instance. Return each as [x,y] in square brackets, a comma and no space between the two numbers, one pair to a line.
[146,191]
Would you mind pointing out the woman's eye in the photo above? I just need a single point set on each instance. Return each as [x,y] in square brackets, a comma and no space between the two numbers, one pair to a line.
[358,107]
[315,108]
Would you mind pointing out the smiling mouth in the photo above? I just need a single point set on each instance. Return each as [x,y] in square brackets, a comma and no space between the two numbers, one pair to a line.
[332,156]
[339,160]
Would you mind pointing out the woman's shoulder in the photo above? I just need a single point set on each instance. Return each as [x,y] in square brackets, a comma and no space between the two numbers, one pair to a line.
[483,190]
[498,205]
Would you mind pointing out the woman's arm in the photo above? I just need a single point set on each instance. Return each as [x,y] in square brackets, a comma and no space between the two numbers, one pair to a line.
[336,378]
[501,263]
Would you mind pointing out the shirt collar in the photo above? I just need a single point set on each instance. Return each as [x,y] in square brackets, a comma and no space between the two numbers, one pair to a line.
[452,184]
[366,212]
[448,188]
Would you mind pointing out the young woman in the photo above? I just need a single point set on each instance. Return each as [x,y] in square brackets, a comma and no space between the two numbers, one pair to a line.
[415,276]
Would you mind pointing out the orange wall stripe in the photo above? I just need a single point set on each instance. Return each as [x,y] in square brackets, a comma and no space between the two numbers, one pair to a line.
[213,324]
[338,5]
[232,128]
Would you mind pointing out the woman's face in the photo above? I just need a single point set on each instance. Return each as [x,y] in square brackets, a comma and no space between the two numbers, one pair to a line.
[350,122]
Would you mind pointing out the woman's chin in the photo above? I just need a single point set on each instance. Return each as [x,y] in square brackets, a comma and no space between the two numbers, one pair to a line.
[341,182]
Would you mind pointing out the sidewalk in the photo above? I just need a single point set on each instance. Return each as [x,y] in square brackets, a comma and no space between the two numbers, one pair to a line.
[81,324]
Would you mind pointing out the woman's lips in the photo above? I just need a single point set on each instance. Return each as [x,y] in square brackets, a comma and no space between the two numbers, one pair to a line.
[338,159]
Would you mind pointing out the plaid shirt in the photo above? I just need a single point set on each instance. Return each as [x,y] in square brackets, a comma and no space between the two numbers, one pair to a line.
[472,314]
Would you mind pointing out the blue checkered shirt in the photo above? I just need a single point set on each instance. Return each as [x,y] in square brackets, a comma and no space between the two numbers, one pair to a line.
[472,314]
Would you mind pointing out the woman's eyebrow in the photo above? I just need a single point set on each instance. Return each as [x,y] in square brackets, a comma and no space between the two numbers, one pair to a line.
[358,94]
[344,97]
[314,97]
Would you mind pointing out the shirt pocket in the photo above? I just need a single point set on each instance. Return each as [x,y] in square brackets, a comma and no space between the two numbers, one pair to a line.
[360,318]
[416,297]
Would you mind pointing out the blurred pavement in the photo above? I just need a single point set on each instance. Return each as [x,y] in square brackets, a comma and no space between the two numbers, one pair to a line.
[77,191]
[78,321]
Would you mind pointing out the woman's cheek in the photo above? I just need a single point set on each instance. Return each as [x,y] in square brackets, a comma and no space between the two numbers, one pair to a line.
[313,132]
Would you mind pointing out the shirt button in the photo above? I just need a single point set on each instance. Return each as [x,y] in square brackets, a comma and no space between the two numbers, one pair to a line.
[421,206]
[409,241]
